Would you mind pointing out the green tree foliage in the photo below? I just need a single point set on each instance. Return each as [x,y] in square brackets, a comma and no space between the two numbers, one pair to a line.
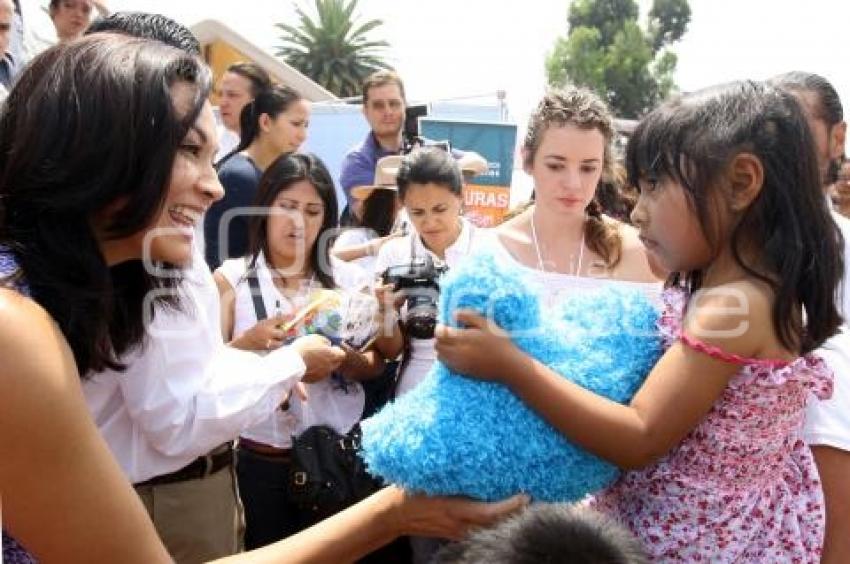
[607,51]
[333,49]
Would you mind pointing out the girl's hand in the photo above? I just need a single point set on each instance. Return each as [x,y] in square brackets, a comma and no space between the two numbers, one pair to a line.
[481,350]
[266,335]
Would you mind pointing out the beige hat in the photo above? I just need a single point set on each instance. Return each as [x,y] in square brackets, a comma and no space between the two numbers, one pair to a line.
[385,174]
[473,164]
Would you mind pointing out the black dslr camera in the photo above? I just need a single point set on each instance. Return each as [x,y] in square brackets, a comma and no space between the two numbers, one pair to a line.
[412,137]
[418,281]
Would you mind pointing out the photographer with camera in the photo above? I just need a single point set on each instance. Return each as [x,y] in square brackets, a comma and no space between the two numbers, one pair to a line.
[430,187]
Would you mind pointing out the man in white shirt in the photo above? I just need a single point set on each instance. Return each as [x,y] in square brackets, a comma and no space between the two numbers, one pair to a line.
[828,422]
[239,85]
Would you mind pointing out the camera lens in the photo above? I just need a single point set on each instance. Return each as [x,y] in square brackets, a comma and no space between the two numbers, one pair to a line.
[421,318]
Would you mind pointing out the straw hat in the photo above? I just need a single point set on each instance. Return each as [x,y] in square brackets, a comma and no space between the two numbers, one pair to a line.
[472,164]
[385,174]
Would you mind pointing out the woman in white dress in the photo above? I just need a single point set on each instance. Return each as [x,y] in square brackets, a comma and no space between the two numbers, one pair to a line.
[563,242]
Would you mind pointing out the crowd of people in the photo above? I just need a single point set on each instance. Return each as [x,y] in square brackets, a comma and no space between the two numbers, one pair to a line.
[152,261]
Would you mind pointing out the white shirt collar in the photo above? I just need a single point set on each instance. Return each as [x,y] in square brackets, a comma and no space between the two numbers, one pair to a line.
[461,246]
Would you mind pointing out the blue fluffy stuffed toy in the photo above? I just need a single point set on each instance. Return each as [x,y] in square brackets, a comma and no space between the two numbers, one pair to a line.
[453,435]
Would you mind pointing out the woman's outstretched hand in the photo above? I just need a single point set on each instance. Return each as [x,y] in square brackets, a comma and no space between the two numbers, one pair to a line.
[479,348]
[448,517]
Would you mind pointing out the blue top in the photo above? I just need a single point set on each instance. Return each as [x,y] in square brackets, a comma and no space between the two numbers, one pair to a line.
[358,165]
[240,178]
[12,553]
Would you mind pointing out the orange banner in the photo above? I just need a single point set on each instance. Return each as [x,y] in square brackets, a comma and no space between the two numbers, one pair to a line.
[486,205]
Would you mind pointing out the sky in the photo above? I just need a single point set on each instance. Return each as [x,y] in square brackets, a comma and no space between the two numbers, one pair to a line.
[447,49]
[459,48]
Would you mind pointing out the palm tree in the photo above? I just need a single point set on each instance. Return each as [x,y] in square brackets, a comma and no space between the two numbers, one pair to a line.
[334,51]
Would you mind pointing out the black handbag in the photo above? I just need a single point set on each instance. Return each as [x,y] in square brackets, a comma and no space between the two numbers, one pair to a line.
[326,475]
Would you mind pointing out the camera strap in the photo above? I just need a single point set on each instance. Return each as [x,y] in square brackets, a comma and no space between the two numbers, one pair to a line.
[256,292]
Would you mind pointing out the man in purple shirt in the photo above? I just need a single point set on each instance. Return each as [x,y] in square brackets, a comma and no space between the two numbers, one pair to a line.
[384,107]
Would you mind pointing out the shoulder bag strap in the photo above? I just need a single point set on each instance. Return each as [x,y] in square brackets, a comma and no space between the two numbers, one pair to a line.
[256,293]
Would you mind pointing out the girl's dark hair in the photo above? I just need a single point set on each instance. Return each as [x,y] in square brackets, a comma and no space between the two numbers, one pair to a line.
[616,198]
[692,140]
[90,128]
[429,165]
[285,171]
[379,212]
[272,102]
[583,109]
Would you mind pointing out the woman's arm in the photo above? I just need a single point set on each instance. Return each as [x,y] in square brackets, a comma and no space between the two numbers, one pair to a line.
[377,520]
[361,366]
[64,497]
[679,391]
[368,249]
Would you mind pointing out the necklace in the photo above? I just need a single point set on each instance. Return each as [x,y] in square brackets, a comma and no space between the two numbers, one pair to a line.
[540,256]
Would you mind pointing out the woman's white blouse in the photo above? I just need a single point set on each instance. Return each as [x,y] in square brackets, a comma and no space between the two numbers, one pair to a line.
[328,403]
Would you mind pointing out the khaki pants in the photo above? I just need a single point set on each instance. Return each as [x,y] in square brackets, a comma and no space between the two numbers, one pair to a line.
[197,520]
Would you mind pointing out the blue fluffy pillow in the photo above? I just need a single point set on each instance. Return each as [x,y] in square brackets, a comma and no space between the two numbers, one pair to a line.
[453,435]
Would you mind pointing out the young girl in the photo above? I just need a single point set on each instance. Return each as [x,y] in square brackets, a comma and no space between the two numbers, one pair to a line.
[274,123]
[730,199]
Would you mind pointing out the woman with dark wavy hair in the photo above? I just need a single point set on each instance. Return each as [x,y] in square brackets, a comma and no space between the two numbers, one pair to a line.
[105,159]
[106,148]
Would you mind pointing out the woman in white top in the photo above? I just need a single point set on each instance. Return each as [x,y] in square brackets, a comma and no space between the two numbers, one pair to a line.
[430,186]
[288,257]
[563,240]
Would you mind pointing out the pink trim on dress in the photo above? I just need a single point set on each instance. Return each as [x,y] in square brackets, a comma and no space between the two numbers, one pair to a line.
[718,353]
